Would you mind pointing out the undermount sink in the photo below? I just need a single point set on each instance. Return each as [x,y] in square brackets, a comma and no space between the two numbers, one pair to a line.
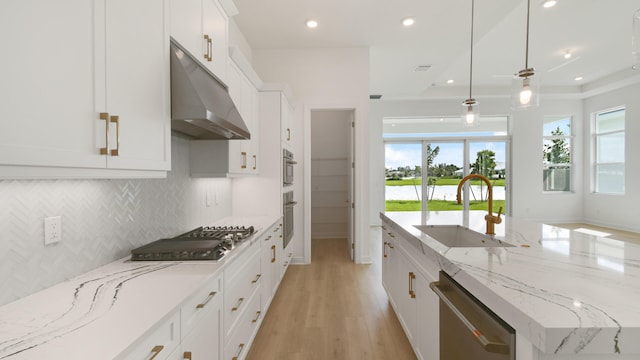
[460,236]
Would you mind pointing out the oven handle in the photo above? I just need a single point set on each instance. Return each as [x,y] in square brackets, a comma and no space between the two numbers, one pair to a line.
[488,345]
[290,204]
[290,162]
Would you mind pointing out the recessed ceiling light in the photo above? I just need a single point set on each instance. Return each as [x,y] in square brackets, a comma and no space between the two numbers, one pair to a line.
[408,21]
[549,3]
[567,54]
[449,81]
[312,24]
[578,78]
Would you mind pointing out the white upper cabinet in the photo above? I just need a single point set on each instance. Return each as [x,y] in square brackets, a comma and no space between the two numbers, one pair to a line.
[70,62]
[201,26]
[136,74]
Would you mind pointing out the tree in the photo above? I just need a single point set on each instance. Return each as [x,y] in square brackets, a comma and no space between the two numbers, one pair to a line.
[484,165]
[558,152]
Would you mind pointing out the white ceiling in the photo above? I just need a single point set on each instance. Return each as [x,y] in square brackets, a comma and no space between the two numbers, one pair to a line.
[598,32]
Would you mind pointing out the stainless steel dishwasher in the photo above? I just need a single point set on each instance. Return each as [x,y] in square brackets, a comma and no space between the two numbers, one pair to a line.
[468,329]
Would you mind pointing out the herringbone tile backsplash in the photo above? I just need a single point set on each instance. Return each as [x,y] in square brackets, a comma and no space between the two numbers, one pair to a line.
[102,220]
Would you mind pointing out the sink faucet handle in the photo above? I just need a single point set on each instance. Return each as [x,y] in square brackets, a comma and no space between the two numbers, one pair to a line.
[499,211]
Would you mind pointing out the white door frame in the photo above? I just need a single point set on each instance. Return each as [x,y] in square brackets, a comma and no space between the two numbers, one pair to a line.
[307,180]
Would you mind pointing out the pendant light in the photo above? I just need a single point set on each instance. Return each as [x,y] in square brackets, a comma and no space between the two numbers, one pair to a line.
[525,85]
[470,114]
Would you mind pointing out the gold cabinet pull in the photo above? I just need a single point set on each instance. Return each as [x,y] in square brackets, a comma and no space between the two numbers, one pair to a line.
[384,249]
[257,317]
[116,119]
[256,279]
[240,347]
[391,234]
[235,308]
[411,292]
[255,162]
[273,251]
[208,39]
[105,116]
[267,238]
[206,301]
[155,351]
[186,355]
[390,245]
[244,160]
[276,229]
[288,134]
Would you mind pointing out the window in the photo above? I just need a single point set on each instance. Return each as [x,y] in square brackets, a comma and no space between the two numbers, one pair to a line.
[608,142]
[556,153]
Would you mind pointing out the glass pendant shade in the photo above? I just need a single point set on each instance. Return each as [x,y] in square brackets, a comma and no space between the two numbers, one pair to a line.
[635,49]
[525,89]
[470,115]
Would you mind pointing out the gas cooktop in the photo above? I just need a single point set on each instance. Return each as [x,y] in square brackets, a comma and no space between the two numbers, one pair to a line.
[203,243]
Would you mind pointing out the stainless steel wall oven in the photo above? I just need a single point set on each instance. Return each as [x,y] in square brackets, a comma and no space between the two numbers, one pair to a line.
[288,205]
[287,167]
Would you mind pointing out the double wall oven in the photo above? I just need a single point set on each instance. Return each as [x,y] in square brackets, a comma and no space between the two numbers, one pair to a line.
[287,196]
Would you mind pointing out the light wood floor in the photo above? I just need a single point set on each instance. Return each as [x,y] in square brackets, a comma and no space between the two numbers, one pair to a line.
[331,309]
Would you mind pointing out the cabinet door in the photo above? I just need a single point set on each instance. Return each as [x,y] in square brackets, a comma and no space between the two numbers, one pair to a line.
[286,120]
[406,303]
[250,116]
[47,87]
[203,342]
[238,149]
[428,319]
[136,95]
[215,26]
[186,27]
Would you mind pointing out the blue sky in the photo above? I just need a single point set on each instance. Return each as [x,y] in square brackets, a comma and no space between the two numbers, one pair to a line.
[401,154]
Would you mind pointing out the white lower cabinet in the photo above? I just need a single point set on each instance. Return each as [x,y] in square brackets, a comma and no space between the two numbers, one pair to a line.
[270,263]
[406,278]
[201,323]
[159,344]
[242,308]
[244,330]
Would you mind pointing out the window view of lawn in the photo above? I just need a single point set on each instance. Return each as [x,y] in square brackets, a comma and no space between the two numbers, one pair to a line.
[404,188]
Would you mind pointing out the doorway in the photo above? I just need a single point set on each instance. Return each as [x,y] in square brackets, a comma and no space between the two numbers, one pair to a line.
[332,210]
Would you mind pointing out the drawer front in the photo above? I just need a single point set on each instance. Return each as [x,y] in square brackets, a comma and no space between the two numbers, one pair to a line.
[238,344]
[195,308]
[159,344]
[240,287]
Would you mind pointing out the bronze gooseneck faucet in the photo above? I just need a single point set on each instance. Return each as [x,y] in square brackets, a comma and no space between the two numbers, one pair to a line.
[490,218]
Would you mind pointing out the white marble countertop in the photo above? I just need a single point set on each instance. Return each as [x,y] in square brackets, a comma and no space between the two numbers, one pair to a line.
[99,314]
[567,292]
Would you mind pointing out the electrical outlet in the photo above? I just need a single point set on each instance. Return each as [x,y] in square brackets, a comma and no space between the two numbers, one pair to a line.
[52,229]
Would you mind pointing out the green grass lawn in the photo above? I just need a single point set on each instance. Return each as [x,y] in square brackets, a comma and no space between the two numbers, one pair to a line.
[418,181]
[440,205]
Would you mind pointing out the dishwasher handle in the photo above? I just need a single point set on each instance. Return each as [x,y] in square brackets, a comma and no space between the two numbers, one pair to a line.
[488,345]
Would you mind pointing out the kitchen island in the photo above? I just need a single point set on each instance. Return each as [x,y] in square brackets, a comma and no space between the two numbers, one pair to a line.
[568,294]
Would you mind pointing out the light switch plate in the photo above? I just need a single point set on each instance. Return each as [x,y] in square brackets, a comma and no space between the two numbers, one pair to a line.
[52,229]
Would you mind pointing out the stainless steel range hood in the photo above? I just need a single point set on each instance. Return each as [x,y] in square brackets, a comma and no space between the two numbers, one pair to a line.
[200,103]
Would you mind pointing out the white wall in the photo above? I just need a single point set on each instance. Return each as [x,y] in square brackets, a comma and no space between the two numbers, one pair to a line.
[325,78]
[619,211]
[528,199]
[330,142]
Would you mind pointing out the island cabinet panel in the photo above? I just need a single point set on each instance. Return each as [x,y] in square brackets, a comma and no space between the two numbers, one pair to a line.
[407,285]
